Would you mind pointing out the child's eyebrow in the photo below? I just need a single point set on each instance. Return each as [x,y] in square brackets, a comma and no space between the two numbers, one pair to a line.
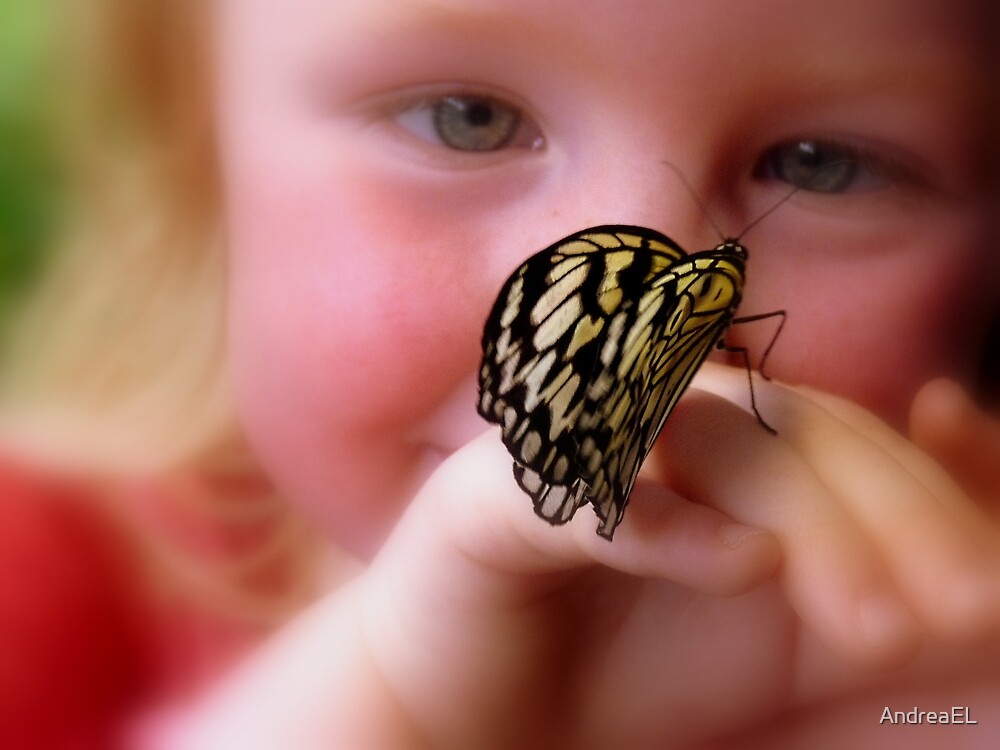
[483,10]
[380,35]
[509,21]
[927,76]
[480,30]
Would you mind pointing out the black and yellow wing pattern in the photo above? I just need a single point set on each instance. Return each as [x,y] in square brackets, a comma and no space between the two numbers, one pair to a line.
[588,347]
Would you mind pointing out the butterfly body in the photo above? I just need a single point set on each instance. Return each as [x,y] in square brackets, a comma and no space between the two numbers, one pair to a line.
[586,351]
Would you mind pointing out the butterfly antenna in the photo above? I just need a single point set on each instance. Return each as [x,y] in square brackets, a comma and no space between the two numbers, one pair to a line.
[768,212]
[694,196]
[786,196]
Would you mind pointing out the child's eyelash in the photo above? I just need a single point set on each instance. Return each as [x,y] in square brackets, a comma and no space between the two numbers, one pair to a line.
[834,167]
[471,122]
[458,118]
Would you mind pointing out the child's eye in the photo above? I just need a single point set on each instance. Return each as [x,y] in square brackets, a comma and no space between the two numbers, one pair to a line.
[828,167]
[470,122]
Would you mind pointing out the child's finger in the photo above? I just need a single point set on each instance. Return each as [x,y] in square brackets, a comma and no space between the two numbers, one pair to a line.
[973,438]
[667,536]
[474,502]
[830,573]
[940,547]
[946,423]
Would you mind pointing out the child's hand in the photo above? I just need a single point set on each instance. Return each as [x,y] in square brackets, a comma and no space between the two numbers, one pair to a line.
[491,626]
[478,625]
[498,630]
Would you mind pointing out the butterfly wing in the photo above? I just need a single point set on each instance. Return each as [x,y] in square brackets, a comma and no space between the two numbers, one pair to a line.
[579,358]
[542,345]
[686,312]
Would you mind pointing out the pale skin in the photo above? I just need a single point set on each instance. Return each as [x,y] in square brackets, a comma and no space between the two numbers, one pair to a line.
[753,574]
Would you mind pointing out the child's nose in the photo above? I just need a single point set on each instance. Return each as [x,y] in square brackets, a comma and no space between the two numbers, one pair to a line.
[654,194]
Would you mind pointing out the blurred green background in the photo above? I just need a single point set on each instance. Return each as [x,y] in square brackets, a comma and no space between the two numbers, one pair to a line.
[28,171]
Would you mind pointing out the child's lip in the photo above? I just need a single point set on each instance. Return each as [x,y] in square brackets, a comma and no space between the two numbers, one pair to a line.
[432,456]
[438,453]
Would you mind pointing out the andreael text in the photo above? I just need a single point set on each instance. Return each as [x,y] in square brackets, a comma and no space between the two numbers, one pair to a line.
[955,715]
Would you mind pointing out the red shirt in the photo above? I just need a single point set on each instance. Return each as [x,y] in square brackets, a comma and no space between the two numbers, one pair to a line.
[71,636]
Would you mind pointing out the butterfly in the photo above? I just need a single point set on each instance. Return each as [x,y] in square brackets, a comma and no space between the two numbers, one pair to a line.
[586,351]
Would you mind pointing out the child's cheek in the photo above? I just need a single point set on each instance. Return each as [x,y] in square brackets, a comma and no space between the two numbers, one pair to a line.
[875,323]
[356,310]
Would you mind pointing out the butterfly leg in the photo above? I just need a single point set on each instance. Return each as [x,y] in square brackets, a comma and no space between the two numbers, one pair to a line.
[744,354]
[763,316]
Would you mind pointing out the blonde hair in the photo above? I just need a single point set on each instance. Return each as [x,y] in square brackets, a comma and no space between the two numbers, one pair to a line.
[123,341]
[117,364]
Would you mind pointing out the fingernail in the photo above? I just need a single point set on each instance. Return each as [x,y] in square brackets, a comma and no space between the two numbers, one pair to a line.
[882,620]
[735,534]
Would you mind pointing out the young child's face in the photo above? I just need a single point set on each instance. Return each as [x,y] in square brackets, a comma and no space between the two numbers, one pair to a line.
[389,163]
